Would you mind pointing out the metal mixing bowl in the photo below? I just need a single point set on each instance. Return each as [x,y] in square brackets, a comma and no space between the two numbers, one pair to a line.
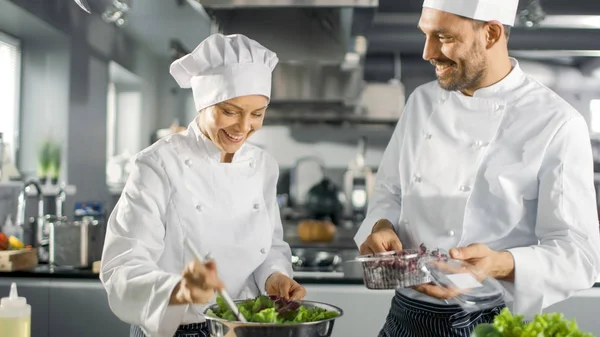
[222,328]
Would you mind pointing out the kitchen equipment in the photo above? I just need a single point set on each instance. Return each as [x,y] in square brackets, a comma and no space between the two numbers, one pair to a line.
[222,328]
[35,233]
[74,241]
[222,292]
[323,201]
[307,172]
[304,259]
[359,183]
[15,315]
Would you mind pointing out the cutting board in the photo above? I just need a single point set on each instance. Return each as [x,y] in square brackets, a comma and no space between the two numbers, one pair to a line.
[14,260]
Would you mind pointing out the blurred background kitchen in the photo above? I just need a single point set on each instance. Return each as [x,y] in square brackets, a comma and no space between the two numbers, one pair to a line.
[81,93]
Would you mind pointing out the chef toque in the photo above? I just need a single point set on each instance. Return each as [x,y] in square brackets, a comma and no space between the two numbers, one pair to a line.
[504,11]
[223,67]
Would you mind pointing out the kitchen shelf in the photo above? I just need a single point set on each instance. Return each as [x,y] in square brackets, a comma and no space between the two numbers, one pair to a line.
[48,190]
[52,190]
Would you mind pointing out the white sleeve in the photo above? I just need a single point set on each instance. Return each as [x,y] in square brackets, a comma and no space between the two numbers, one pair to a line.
[279,258]
[138,290]
[386,201]
[567,257]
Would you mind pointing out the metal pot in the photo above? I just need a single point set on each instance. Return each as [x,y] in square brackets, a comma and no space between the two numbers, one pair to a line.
[315,259]
[222,328]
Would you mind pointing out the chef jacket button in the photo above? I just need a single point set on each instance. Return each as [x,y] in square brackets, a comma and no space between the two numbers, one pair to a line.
[427,135]
[188,162]
[450,233]
[199,208]
[477,144]
[263,251]
[256,206]
[464,188]
[418,178]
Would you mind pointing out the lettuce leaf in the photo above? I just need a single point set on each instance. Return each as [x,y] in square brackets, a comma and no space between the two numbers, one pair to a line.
[265,309]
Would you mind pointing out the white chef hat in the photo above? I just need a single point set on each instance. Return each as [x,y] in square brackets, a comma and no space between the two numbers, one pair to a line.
[223,67]
[504,11]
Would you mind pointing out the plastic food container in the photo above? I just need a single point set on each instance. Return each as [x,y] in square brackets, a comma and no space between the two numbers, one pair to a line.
[398,269]
[474,290]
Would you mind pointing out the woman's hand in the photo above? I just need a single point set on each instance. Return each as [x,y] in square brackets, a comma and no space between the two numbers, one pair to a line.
[282,286]
[198,285]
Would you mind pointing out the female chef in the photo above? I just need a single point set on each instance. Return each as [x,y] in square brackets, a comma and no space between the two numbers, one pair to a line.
[206,184]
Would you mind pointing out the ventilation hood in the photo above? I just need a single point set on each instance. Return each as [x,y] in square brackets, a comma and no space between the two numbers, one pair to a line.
[320,45]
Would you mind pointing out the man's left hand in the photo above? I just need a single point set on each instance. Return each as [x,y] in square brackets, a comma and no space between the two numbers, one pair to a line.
[497,264]
[281,285]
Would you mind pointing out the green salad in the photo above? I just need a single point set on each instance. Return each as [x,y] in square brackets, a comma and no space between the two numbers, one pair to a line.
[543,325]
[265,309]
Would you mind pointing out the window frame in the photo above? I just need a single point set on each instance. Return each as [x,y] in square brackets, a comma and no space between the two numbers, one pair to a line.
[15,142]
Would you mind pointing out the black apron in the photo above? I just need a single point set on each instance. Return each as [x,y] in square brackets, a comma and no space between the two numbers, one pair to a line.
[409,317]
[189,330]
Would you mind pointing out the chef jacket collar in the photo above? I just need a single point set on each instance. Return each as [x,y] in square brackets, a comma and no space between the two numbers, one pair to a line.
[211,151]
[507,84]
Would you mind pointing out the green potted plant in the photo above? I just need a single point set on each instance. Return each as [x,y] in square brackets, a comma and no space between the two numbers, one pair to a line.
[44,160]
[55,161]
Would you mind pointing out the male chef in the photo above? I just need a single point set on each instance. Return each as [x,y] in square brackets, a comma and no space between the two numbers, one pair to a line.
[489,164]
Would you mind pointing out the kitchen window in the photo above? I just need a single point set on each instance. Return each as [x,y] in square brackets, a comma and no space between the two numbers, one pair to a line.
[10,81]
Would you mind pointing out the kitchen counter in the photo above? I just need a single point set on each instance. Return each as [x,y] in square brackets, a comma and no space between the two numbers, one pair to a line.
[87,274]
[64,301]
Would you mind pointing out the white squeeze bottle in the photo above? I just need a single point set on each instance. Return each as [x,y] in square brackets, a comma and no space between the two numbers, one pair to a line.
[15,315]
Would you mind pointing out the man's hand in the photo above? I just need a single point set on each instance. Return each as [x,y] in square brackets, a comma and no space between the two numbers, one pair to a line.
[383,238]
[497,264]
[198,284]
[282,286]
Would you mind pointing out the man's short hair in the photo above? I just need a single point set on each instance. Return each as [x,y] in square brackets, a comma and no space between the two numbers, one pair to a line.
[478,24]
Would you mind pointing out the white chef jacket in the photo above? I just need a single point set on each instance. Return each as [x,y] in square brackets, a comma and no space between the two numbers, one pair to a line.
[510,167]
[179,188]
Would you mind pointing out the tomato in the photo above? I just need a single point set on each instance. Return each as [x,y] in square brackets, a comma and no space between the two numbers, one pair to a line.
[3,242]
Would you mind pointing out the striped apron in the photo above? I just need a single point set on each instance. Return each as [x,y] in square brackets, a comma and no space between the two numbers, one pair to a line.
[189,330]
[409,317]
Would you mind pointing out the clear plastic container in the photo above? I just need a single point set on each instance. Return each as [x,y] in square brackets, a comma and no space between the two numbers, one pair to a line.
[397,269]
[472,289]
[15,315]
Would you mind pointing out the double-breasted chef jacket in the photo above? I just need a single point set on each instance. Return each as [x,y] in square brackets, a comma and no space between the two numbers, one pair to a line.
[179,188]
[510,167]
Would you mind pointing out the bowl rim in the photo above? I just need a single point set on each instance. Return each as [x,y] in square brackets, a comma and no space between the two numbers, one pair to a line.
[314,303]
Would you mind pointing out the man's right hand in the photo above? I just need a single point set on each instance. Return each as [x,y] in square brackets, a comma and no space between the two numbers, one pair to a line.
[198,284]
[383,238]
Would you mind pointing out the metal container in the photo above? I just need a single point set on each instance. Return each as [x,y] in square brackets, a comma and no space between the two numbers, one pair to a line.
[315,259]
[75,242]
[222,328]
